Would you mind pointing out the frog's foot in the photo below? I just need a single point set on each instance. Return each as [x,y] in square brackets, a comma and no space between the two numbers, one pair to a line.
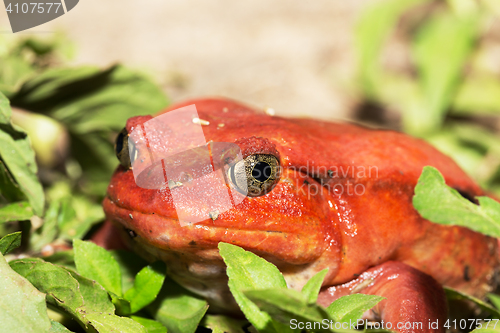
[414,300]
[108,237]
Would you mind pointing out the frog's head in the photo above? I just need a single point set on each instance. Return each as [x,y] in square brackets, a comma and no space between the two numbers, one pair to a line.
[288,222]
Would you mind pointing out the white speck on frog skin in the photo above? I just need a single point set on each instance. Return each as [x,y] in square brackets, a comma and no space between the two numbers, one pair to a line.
[130,215]
[201,121]
[270,111]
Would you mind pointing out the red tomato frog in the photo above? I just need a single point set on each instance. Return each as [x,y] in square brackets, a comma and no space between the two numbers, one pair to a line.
[330,195]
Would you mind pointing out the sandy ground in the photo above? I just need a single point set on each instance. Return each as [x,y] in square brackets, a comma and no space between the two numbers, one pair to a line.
[293,56]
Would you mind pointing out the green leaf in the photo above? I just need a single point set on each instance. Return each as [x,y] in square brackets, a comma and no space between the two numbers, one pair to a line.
[69,216]
[176,308]
[49,230]
[58,327]
[9,189]
[290,307]
[121,304]
[478,95]
[147,285]
[91,104]
[495,299]
[16,153]
[440,76]
[84,299]
[247,271]
[56,85]
[13,72]
[10,242]
[22,307]
[88,99]
[17,211]
[21,58]
[77,216]
[5,111]
[130,264]
[64,258]
[452,294]
[95,155]
[463,153]
[442,204]
[96,263]
[312,287]
[224,323]
[152,326]
[350,308]
[126,94]
[286,304]
[96,298]
[109,323]
[61,288]
[374,27]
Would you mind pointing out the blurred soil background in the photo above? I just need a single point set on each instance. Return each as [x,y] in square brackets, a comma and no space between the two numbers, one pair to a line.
[292,56]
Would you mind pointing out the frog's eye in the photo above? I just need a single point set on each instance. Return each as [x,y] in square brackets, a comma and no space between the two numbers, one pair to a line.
[121,149]
[256,175]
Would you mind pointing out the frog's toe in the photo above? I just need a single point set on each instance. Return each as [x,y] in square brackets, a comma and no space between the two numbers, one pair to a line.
[415,302]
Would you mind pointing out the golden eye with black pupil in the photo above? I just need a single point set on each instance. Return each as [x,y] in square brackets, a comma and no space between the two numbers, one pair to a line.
[121,149]
[256,175]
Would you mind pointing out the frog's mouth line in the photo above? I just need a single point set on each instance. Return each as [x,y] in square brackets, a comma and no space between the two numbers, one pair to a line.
[125,213]
[174,222]
[291,245]
[297,176]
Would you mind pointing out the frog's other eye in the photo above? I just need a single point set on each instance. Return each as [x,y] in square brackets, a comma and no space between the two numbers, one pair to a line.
[256,175]
[122,150]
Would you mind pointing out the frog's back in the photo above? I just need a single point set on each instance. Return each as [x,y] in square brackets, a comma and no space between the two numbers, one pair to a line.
[303,140]
[377,220]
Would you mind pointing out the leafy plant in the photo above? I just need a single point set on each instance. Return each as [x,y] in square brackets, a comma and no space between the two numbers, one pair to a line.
[23,58]
[442,204]
[61,128]
[443,89]
[439,203]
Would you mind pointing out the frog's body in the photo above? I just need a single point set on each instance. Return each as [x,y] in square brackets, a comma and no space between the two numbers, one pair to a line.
[343,202]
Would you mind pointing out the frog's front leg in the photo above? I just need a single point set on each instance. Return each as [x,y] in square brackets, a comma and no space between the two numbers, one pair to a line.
[108,236]
[413,298]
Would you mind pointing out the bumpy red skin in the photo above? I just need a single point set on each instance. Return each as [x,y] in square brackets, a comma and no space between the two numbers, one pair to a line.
[303,227]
